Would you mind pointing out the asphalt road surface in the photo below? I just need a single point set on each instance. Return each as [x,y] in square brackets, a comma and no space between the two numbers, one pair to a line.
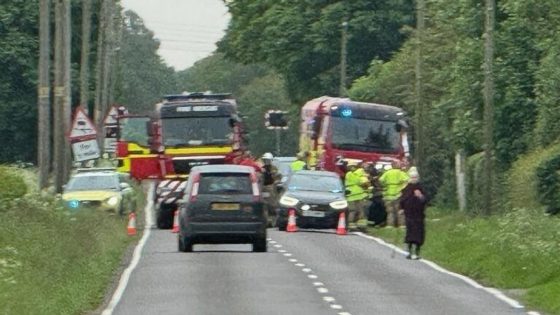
[303,273]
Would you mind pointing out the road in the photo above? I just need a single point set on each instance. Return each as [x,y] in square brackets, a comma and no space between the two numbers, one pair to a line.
[307,272]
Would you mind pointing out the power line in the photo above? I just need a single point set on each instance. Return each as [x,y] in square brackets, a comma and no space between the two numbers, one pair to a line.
[166,23]
[184,41]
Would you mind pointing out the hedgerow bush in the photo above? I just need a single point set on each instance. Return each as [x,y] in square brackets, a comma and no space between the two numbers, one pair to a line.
[523,182]
[548,184]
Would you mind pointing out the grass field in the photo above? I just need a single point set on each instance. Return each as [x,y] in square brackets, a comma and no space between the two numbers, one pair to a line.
[53,261]
[518,252]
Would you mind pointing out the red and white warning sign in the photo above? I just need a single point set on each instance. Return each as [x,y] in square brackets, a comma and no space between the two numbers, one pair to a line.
[111,118]
[82,127]
[83,137]
[85,150]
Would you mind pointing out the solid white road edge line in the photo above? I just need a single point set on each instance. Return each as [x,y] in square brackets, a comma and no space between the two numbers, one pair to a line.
[123,282]
[495,292]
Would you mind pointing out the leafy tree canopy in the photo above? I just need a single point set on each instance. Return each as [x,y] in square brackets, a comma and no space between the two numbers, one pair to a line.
[301,39]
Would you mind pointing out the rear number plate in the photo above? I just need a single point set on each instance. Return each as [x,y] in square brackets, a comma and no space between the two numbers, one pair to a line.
[311,213]
[225,206]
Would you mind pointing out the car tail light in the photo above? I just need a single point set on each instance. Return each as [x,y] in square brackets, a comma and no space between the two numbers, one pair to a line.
[255,186]
[122,149]
[194,189]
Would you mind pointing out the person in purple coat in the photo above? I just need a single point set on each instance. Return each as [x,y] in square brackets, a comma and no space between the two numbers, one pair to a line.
[413,203]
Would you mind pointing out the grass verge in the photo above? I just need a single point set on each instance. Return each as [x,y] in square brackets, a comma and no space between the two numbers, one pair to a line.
[517,252]
[53,261]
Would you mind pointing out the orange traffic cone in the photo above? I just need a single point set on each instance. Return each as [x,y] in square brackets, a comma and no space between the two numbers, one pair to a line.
[341,229]
[175,222]
[292,227]
[131,228]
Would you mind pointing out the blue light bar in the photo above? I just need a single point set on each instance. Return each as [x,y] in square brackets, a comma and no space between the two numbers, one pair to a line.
[347,112]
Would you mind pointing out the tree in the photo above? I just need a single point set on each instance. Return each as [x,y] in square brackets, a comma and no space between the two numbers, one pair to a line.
[18,93]
[142,76]
[299,39]
[256,88]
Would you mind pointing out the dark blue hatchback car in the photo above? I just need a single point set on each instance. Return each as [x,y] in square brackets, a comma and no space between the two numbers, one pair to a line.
[317,198]
[222,204]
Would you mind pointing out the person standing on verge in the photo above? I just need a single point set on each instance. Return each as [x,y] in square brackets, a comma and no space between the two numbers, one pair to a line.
[413,202]
[393,181]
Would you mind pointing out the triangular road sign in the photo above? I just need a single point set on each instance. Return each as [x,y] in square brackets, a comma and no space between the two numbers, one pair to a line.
[111,118]
[82,126]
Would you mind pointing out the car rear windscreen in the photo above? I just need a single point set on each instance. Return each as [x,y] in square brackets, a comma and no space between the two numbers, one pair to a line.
[225,183]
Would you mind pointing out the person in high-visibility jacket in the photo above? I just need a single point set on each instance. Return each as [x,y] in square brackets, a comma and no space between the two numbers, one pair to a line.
[355,181]
[299,164]
[393,181]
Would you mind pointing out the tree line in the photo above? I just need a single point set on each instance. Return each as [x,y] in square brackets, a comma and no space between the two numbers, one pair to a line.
[278,54]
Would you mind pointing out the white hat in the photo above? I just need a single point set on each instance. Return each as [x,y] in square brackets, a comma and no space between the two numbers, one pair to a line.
[267,156]
[413,172]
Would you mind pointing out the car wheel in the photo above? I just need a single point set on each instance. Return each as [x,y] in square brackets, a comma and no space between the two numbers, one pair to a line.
[281,224]
[164,218]
[185,245]
[259,245]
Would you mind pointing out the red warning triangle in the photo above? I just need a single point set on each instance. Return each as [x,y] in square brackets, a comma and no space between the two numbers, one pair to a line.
[82,125]
[111,118]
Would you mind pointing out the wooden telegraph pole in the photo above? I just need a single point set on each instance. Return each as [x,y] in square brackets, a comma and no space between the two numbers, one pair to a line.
[490,9]
[67,81]
[84,62]
[343,58]
[420,110]
[62,159]
[101,44]
[58,132]
[44,110]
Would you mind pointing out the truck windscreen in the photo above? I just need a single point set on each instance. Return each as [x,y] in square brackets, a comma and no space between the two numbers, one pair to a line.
[364,135]
[196,131]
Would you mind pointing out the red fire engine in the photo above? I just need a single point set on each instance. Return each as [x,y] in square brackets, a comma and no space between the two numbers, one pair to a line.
[334,130]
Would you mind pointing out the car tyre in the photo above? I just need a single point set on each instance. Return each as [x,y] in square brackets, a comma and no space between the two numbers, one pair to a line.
[164,218]
[259,245]
[185,245]
[281,224]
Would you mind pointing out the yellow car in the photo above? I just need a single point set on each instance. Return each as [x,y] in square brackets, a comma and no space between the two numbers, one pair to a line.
[100,189]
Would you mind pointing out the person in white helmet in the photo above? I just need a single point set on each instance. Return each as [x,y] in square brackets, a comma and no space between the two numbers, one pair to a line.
[270,177]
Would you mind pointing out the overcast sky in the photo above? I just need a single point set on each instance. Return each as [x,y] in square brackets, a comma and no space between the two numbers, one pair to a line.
[187,29]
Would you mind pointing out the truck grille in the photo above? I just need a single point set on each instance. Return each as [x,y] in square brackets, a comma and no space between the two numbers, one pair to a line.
[182,166]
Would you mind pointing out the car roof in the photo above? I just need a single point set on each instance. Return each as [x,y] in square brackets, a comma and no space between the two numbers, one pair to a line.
[316,173]
[94,169]
[284,158]
[223,168]
[95,173]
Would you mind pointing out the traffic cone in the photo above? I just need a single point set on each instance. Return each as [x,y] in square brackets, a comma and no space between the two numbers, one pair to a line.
[341,229]
[292,227]
[175,222]
[131,228]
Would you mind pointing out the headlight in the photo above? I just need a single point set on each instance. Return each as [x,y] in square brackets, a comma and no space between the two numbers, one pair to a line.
[288,201]
[339,204]
[113,201]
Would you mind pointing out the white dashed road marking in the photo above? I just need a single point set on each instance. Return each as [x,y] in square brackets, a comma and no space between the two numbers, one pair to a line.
[320,286]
